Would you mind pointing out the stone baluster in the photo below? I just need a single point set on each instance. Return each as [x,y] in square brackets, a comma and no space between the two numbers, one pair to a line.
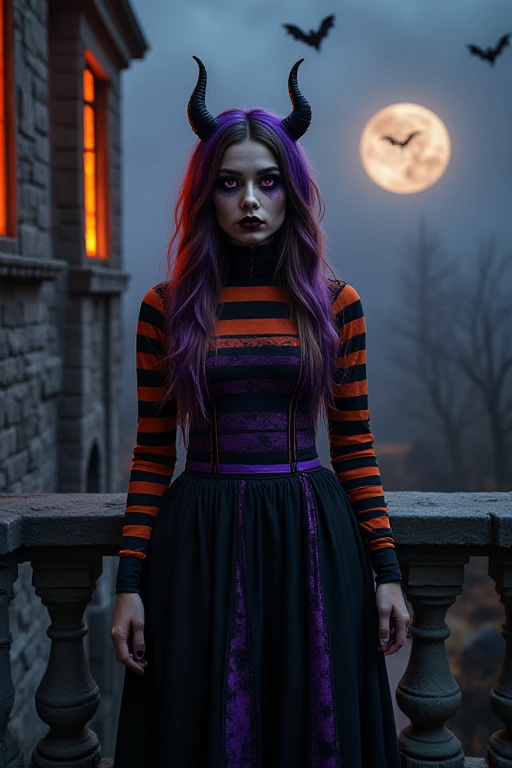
[10,755]
[427,693]
[67,697]
[499,749]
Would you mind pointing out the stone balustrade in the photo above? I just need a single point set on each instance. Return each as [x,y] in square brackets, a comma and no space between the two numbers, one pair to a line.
[65,536]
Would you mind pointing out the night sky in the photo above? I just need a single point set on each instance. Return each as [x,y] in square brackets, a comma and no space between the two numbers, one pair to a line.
[379,53]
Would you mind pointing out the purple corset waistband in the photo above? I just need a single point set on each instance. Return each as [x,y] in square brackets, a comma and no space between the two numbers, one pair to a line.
[249,469]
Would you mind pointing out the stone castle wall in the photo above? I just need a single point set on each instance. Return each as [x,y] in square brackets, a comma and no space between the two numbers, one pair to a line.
[60,346]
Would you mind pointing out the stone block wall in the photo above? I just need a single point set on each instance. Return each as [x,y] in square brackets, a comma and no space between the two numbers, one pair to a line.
[30,380]
[30,359]
[29,654]
[32,141]
[60,352]
[90,402]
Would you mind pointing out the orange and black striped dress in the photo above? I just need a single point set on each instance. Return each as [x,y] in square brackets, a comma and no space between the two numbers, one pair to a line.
[252,421]
[258,562]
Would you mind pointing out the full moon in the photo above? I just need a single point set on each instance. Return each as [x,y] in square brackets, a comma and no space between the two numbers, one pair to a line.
[416,165]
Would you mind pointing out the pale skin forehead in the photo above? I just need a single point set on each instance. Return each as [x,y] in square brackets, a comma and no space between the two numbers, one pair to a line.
[248,157]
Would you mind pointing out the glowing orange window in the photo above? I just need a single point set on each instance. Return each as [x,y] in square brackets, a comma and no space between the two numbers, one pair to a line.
[3,212]
[94,170]
[7,138]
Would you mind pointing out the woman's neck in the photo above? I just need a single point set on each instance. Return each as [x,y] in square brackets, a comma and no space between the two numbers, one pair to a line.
[252,261]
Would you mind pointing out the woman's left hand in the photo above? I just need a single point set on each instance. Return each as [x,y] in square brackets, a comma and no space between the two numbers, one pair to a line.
[394,617]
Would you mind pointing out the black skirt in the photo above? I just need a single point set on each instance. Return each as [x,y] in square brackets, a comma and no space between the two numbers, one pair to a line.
[261,632]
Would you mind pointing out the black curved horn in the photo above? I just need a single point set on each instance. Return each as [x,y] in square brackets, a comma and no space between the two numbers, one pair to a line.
[299,120]
[202,122]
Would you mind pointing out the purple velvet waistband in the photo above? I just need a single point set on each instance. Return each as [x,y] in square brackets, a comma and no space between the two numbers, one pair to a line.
[249,469]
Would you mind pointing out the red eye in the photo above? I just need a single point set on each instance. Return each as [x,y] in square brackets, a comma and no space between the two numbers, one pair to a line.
[229,184]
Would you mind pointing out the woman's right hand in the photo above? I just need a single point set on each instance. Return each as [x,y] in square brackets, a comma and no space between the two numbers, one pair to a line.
[129,619]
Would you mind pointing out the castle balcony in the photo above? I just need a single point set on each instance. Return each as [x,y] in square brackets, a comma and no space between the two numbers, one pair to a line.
[65,537]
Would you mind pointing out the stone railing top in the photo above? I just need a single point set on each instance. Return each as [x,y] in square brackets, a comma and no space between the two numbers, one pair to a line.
[85,519]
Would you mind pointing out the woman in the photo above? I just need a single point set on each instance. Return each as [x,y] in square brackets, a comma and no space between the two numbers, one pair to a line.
[250,595]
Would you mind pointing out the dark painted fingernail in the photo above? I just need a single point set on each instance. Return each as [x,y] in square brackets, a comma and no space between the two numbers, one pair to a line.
[139,654]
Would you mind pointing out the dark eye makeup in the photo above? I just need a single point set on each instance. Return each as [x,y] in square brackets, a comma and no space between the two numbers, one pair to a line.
[222,179]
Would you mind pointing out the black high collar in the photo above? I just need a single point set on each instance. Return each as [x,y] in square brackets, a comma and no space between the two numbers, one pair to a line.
[252,261]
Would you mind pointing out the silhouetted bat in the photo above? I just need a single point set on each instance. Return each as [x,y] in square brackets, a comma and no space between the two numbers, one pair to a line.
[312,38]
[400,143]
[490,54]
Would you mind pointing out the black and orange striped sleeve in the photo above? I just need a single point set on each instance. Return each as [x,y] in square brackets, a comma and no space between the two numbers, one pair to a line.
[351,448]
[154,455]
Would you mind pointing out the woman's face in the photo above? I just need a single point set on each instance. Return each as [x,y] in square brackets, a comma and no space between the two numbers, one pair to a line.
[249,184]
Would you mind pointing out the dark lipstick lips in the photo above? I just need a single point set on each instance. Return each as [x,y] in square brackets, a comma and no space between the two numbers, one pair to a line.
[250,220]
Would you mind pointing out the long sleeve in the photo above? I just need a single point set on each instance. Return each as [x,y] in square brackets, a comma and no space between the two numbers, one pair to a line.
[154,455]
[352,453]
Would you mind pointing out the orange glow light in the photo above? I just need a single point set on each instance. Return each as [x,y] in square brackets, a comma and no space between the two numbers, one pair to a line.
[3,137]
[89,165]
[88,85]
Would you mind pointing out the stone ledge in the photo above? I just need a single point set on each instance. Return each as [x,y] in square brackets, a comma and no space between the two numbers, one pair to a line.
[19,267]
[94,278]
[430,522]
[453,519]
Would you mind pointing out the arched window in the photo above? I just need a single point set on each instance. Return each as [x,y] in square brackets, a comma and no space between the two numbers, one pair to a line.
[93,471]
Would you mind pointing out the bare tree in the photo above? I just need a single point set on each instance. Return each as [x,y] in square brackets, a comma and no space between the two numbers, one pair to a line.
[480,343]
[438,395]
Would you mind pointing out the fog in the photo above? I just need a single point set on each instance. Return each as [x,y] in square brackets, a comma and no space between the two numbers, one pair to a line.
[378,53]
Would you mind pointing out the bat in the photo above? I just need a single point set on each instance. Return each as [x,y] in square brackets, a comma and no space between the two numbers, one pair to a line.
[400,143]
[491,54]
[311,38]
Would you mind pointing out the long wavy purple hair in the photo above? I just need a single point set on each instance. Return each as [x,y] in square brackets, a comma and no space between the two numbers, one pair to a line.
[196,269]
